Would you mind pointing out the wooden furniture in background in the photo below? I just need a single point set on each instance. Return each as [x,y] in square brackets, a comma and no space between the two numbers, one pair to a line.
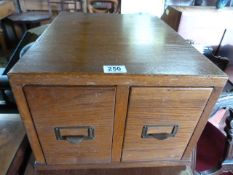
[78,116]
[13,144]
[6,9]
[28,20]
[24,20]
[102,6]
[56,5]
[203,25]
[66,5]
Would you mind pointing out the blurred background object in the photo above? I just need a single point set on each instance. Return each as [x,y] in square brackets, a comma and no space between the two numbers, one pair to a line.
[103,6]
[221,3]
[151,7]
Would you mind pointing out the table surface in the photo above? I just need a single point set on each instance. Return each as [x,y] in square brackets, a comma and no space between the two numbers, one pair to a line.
[11,135]
[6,8]
[83,43]
[30,17]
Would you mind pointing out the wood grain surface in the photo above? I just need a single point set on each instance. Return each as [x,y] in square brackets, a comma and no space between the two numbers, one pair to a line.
[170,170]
[83,43]
[28,123]
[179,170]
[11,135]
[61,79]
[162,107]
[119,123]
[202,122]
[53,107]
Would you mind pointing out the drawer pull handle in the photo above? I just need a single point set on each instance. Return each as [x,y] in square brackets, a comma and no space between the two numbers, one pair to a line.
[74,139]
[147,131]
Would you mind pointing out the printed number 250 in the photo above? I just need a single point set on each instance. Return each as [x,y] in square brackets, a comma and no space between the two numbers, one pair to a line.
[114,69]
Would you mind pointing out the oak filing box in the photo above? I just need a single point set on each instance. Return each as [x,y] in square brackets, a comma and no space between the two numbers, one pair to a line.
[78,115]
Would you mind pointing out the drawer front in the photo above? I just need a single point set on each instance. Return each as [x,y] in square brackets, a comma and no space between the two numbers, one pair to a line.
[161,121]
[74,124]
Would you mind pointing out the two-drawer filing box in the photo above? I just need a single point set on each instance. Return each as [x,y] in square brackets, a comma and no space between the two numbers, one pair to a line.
[113,91]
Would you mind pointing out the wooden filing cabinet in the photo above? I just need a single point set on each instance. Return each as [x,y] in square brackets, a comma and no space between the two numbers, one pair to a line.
[113,91]
[197,24]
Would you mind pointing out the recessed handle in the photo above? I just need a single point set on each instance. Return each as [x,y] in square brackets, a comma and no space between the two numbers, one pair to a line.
[72,134]
[74,139]
[160,132]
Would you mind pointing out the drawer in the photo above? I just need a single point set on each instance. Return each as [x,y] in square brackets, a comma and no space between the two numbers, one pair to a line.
[161,121]
[74,124]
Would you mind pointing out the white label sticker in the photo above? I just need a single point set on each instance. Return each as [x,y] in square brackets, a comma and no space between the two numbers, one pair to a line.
[114,69]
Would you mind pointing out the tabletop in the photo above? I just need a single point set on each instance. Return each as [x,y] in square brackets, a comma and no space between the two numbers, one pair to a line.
[31,17]
[84,43]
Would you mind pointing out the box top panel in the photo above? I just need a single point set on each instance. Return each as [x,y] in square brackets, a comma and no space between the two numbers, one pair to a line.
[83,43]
